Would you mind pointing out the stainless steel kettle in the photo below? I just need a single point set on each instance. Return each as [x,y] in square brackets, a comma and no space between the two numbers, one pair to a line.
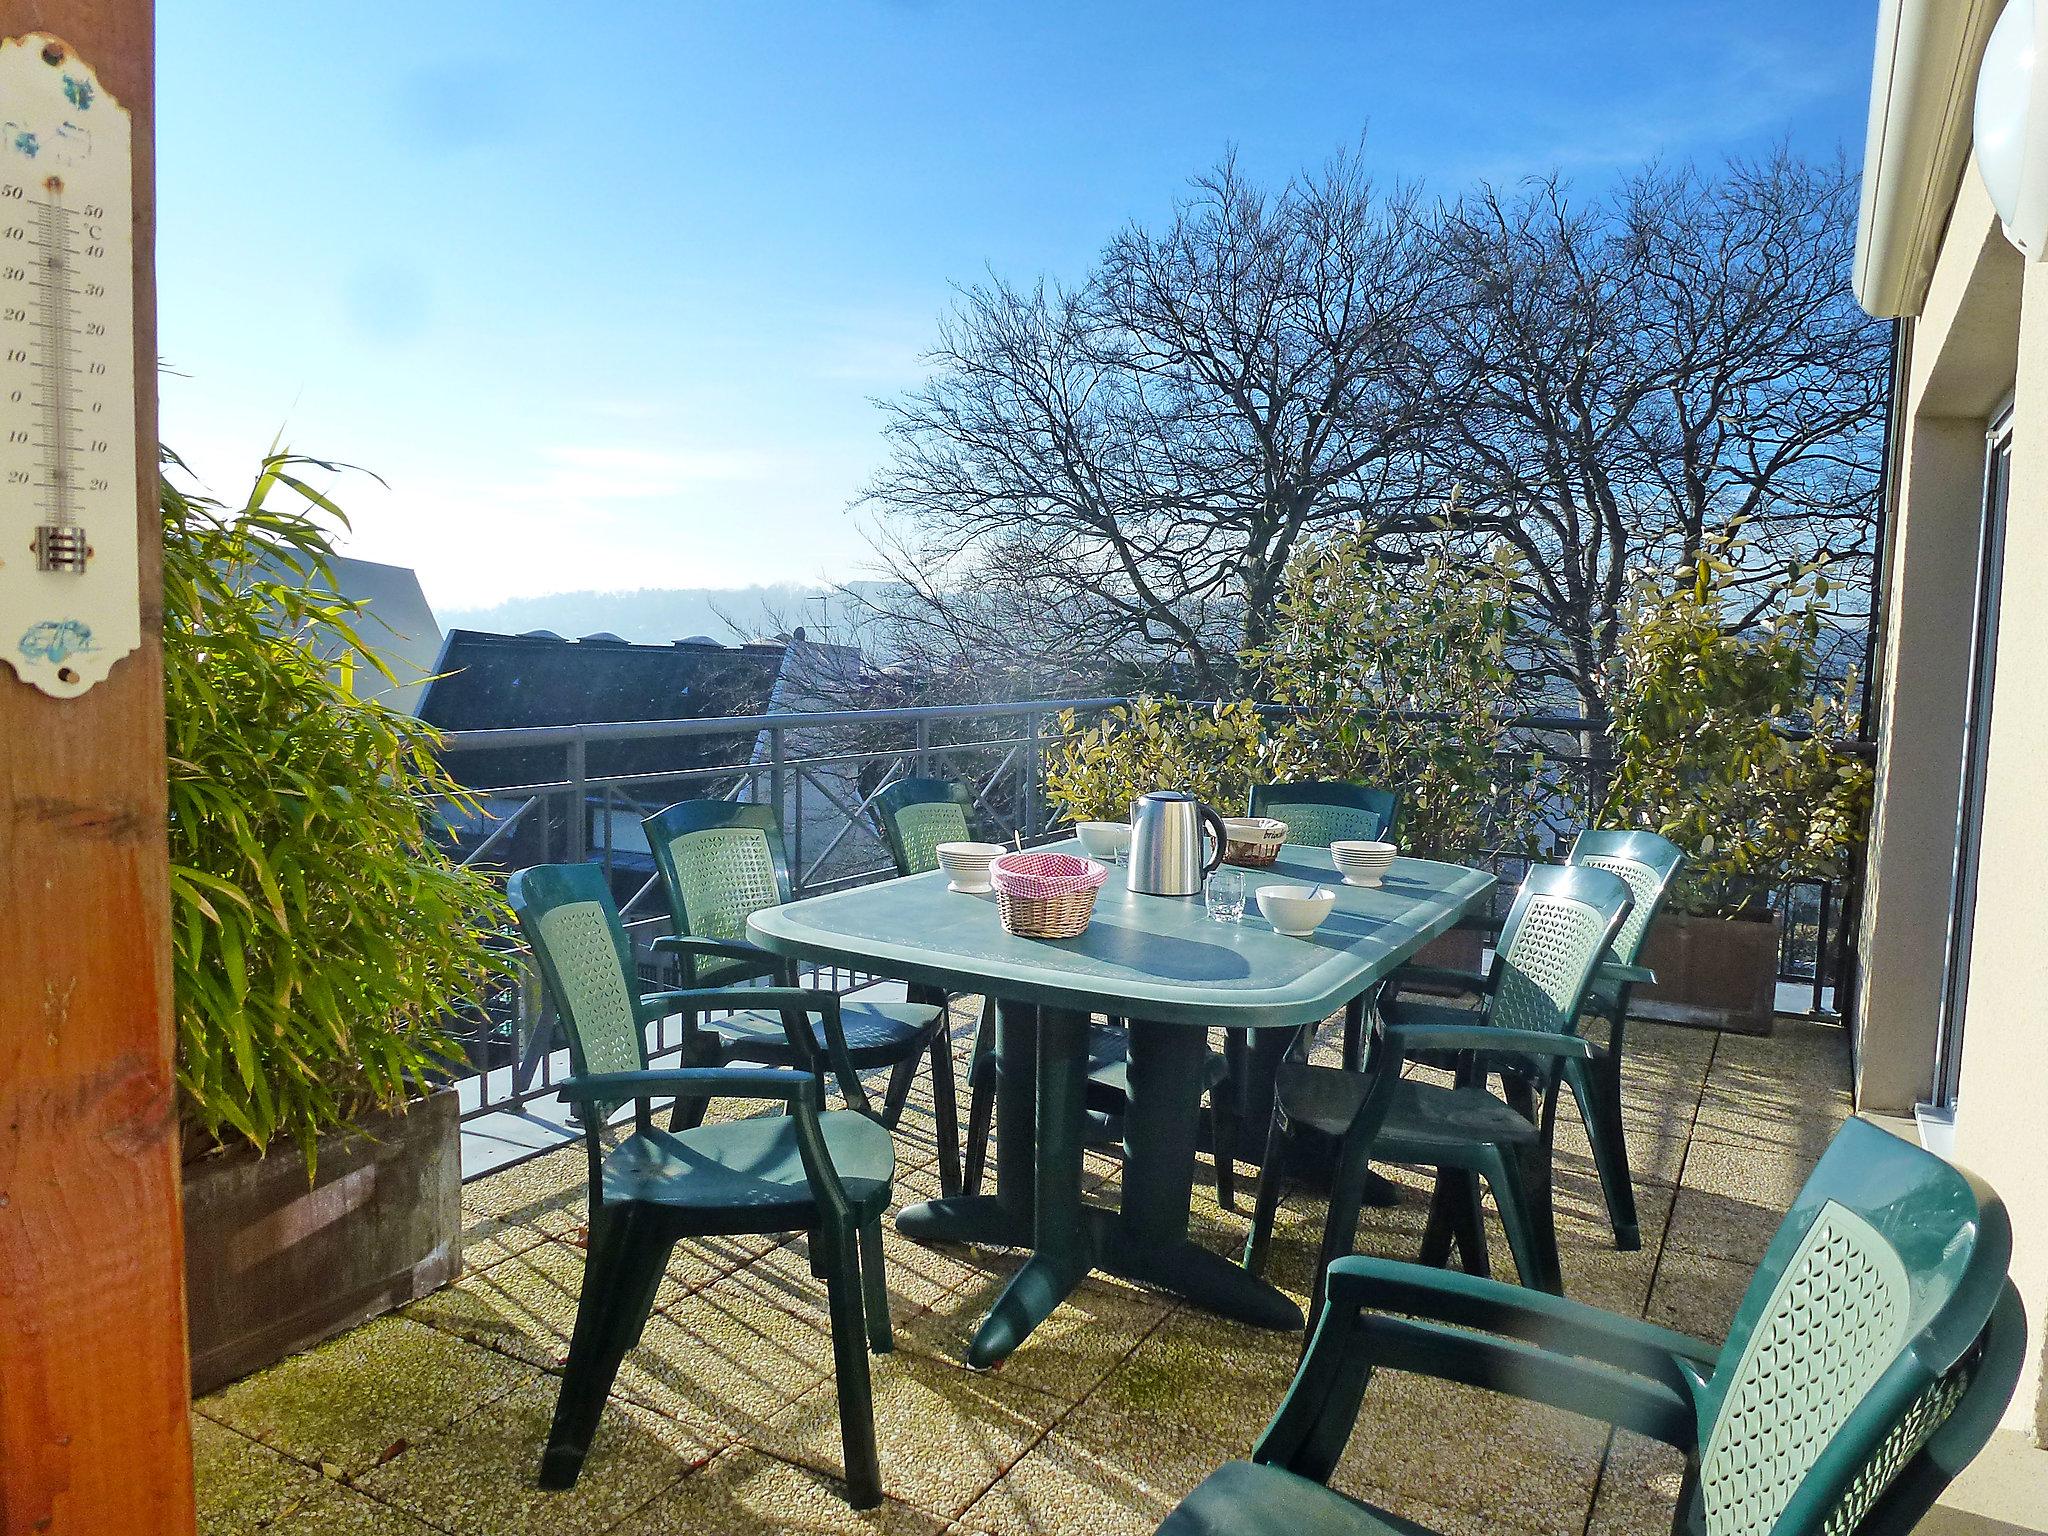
[1166,857]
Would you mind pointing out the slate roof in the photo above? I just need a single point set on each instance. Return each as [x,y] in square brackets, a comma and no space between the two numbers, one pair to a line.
[493,681]
[397,626]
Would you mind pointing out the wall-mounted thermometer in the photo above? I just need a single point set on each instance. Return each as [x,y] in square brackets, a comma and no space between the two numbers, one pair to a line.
[70,603]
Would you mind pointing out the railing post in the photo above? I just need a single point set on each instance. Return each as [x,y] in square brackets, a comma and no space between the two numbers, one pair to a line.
[1820,946]
[775,784]
[579,803]
[922,762]
[794,833]
[1034,779]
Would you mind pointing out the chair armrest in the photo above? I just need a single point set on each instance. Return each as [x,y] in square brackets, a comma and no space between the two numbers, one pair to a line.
[1486,1037]
[795,1005]
[781,967]
[772,1083]
[1480,922]
[730,949]
[734,999]
[1484,1342]
[1628,975]
[1438,976]
[1556,1322]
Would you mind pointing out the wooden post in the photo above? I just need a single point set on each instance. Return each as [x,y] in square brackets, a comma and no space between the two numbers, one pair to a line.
[94,1390]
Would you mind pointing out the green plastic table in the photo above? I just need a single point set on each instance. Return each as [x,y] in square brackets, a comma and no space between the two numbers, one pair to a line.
[1161,964]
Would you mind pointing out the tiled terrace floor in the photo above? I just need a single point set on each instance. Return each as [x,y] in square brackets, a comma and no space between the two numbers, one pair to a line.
[723,1419]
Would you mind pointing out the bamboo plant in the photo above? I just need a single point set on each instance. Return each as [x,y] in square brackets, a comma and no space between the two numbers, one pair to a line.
[321,938]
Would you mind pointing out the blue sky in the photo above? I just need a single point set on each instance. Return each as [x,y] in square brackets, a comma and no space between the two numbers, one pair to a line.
[604,292]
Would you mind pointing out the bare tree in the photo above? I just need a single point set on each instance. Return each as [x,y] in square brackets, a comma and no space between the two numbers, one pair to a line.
[1114,476]
[1102,484]
[1623,378]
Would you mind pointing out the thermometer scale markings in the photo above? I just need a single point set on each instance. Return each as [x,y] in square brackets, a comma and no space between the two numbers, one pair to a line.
[60,542]
[75,496]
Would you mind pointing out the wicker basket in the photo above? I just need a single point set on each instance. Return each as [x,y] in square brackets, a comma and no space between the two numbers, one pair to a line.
[1045,895]
[1259,852]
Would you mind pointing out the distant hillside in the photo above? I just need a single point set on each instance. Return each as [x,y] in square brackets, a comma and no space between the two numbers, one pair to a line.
[657,614]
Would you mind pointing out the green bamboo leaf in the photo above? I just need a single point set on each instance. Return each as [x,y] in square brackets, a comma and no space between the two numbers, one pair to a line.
[320,936]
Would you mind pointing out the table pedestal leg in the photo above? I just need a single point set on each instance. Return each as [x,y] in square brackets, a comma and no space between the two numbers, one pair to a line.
[1043,1088]
[1004,1219]
[1150,1242]
[1062,1242]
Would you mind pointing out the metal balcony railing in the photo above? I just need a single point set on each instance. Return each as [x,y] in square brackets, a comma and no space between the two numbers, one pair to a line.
[823,772]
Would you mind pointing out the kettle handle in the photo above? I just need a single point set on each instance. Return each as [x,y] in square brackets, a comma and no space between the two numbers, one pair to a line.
[1215,824]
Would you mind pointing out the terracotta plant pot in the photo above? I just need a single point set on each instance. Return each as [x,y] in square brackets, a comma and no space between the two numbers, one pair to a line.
[1712,972]
[274,1265]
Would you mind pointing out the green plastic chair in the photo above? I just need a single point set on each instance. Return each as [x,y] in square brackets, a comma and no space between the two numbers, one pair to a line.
[720,862]
[1870,1360]
[1650,864]
[825,1174]
[919,814]
[1560,925]
[1319,812]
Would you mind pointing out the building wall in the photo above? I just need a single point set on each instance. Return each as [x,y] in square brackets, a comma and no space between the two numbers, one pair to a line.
[2002,1107]
[1982,334]
[1963,356]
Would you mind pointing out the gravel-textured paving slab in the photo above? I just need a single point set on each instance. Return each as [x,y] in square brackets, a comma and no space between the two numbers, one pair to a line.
[724,1417]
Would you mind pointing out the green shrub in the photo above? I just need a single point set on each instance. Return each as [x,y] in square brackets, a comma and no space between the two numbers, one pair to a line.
[1213,751]
[1398,675]
[1730,744]
[321,937]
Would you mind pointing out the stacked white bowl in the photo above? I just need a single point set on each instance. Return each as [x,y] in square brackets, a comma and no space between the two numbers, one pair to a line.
[966,865]
[1362,863]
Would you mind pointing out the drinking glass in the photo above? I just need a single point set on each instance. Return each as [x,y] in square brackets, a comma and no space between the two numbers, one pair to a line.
[1224,896]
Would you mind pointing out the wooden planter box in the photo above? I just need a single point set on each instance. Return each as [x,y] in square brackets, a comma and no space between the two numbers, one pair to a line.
[274,1265]
[1712,972]
[1461,949]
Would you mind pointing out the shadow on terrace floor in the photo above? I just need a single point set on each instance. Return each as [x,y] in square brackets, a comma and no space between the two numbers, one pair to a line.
[723,1418]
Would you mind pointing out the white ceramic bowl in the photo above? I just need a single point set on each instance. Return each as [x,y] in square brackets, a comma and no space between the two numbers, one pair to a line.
[966,865]
[1296,910]
[1362,863]
[1103,840]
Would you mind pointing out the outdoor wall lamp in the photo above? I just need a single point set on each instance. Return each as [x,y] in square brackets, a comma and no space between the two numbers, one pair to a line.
[2010,125]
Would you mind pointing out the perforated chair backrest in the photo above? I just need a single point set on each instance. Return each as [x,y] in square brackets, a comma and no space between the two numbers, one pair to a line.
[1853,1345]
[719,863]
[1319,812]
[586,963]
[918,815]
[1556,933]
[1648,862]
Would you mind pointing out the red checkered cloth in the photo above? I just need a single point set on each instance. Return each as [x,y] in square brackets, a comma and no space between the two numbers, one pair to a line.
[1037,876]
